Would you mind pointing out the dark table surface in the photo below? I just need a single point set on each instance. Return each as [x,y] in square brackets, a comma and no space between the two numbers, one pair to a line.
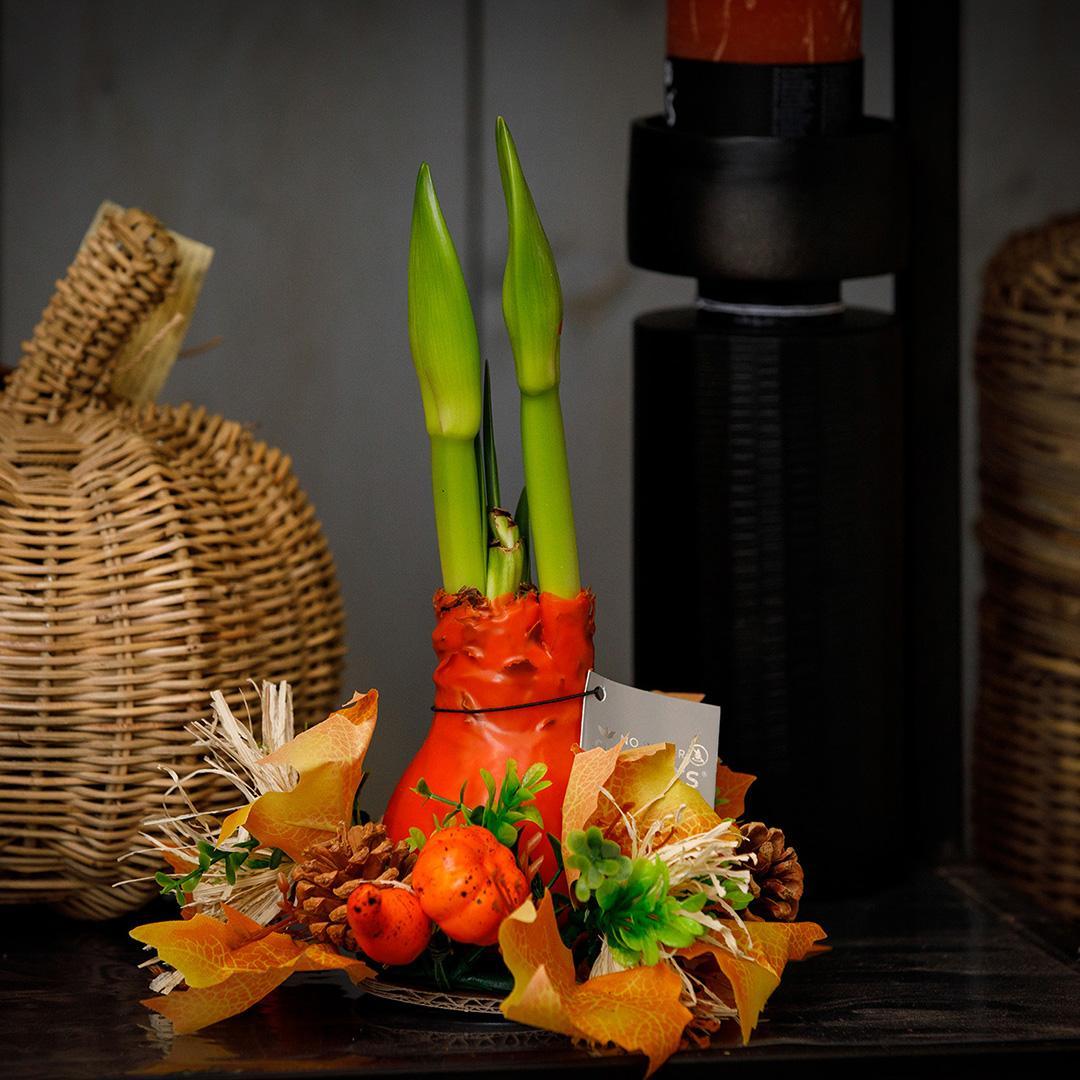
[946,966]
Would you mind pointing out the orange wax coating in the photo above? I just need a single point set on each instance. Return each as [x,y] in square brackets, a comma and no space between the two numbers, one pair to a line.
[492,653]
[765,31]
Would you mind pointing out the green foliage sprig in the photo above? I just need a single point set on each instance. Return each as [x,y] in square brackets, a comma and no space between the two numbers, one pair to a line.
[233,859]
[507,805]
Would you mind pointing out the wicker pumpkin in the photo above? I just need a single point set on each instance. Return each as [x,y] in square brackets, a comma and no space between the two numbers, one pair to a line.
[1026,804]
[147,555]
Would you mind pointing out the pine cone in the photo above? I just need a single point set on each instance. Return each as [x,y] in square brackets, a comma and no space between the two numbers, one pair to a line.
[329,873]
[776,878]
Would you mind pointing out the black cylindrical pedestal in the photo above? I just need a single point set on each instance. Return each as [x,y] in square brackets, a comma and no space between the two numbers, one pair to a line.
[767,533]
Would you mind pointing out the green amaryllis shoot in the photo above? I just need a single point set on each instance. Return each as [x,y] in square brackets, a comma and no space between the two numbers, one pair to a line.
[488,455]
[446,352]
[532,308]
[521,518]
[506,556]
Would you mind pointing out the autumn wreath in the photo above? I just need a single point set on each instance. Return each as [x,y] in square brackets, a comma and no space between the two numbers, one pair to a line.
[656,919]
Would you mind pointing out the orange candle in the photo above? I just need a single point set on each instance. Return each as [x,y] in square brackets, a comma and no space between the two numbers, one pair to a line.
[765,31]
[498,653]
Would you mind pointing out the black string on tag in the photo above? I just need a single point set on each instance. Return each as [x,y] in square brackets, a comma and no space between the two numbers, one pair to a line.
[596,692]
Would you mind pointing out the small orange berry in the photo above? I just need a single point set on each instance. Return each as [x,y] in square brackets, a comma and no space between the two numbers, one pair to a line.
[388,923]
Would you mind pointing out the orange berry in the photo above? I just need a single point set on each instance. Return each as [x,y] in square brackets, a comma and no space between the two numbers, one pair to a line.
[388,923]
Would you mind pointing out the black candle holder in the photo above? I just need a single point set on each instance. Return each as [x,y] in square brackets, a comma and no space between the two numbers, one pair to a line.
[768,443]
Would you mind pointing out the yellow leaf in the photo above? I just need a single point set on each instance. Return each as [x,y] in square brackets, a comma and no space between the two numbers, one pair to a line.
[202,948]
[330,760]
[643,784]
[230,965]
[638,1009]
[753,978]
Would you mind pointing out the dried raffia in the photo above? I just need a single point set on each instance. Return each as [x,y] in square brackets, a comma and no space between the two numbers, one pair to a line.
[146,553]
[231,753]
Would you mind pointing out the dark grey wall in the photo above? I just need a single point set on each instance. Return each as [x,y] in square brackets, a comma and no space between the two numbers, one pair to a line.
[1020,164]
[288,135]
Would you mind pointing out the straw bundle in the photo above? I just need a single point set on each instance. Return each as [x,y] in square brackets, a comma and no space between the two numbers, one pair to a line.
[146,554]
[1027,746]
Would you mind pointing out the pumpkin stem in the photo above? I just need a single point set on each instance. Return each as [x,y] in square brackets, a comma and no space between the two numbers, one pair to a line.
[114,326]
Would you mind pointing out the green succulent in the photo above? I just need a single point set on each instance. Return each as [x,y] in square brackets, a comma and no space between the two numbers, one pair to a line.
[630,900]
[737,896]
[599,861]
[639,915]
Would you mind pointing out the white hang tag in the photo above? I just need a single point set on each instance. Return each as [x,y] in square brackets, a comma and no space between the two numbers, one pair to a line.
[642,718]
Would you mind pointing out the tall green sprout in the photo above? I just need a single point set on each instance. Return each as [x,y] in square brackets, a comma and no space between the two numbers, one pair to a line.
[446,352]
[480,544]
[532,308]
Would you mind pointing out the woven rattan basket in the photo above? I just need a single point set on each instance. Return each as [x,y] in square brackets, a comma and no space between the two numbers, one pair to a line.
[147,555]
[1027,745]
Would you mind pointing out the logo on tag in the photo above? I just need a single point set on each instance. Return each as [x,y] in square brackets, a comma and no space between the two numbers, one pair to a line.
[614,711]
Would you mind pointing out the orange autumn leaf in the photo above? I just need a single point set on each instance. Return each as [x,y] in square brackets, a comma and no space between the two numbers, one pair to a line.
[178,862]
[330,760]
[731,789]
[769,945]
[230,965]
[542,966]
[752,983]
[202,948]
[637,1009]
[776,943]
[191,1010]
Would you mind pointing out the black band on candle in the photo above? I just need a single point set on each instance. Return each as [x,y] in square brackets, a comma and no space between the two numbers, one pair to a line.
[596,692]
[783,100]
